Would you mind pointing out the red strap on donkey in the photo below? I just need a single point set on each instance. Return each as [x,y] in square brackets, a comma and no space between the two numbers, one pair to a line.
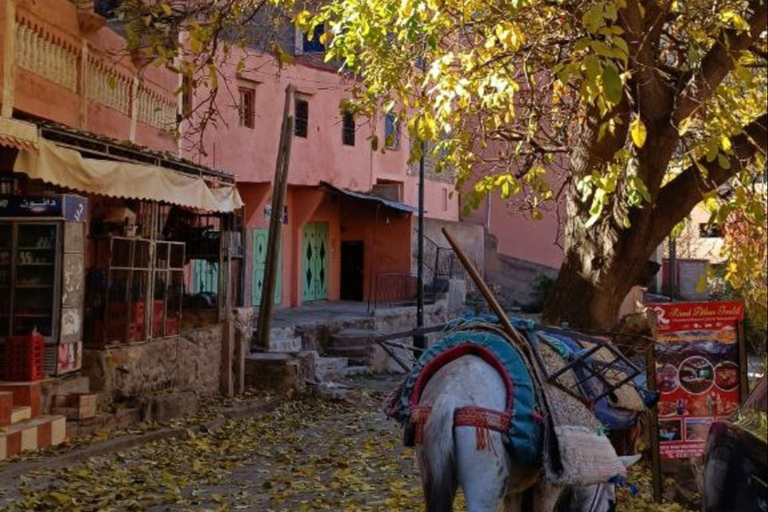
[481,418]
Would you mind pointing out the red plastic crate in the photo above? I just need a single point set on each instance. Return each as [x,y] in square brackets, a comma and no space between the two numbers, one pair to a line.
[24,358]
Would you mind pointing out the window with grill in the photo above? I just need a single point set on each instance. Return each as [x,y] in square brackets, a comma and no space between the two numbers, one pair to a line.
[247,107]
[391,132]
[301,117]
[348,129]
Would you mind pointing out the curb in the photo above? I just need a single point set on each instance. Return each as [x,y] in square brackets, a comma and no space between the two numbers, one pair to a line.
[133,440]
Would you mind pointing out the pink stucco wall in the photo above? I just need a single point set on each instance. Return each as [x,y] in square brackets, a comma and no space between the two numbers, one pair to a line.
[250,153]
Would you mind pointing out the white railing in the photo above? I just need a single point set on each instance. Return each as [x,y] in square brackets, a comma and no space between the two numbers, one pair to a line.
[155,110]
[52,60]
[107,87]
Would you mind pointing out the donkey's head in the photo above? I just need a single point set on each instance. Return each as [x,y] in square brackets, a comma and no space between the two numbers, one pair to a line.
[593,498]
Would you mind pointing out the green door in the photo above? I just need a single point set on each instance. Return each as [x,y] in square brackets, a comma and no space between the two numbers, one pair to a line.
[260,239]
[314,264]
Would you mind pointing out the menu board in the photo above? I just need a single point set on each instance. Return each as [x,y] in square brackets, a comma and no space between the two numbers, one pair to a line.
[697,372]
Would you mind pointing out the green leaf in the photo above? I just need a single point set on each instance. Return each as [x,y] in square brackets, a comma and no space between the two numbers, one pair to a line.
[638,131]
[612,84]
[723,161]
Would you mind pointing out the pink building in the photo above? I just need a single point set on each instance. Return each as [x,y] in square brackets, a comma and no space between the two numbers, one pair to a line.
[350,210]
[101,224]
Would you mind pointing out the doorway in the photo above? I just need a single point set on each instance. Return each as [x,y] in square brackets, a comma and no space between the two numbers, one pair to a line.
[352,270]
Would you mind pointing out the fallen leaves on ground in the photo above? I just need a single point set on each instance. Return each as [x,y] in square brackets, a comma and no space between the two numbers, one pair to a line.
[307,455]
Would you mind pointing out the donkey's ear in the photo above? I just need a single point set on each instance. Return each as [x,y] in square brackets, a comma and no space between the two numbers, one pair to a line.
[629,460]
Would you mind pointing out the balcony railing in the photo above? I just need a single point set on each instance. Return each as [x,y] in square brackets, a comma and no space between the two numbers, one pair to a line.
[50,44]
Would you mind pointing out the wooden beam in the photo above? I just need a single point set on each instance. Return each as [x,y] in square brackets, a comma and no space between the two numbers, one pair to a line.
[279,188]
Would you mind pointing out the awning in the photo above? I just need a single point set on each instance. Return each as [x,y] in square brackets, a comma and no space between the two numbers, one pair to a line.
[67,168]
[395,205]
[18,134]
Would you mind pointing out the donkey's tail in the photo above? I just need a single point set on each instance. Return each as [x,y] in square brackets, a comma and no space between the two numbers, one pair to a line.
[439,456]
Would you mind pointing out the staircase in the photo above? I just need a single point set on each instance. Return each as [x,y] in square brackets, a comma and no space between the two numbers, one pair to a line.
[285,365]
[22,427]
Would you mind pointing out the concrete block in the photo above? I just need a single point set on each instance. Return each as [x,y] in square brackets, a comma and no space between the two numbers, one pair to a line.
[34,434]
[279,371]
[6,408]
[25,393]
[21,413]
[285,344]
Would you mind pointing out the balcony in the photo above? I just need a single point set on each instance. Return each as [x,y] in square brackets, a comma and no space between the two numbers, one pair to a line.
[68,67]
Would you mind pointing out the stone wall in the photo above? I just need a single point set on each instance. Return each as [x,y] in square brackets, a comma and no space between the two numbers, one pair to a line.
[189,362]
[470,238]
[513,280]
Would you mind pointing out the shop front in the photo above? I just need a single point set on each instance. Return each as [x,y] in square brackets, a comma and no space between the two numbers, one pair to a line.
[123,262]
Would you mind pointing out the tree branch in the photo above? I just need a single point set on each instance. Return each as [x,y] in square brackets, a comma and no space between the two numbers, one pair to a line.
[719,62]
[684,192]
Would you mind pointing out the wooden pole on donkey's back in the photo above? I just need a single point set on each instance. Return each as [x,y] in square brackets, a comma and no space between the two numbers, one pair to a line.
[279,187]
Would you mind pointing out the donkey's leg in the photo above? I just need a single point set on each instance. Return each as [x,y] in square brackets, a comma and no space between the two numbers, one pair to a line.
[513,502]
[482,473]
[545,496]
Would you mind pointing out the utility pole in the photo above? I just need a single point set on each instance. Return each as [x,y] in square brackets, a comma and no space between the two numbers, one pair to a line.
[279,187]
[419,341]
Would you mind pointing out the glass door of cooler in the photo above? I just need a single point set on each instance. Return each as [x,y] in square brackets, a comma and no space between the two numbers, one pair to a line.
[6,278]
[35,280]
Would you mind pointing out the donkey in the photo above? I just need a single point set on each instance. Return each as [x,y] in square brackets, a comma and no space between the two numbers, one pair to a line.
[448,455]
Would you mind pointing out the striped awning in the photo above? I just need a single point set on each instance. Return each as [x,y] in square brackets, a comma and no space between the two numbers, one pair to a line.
[18,134]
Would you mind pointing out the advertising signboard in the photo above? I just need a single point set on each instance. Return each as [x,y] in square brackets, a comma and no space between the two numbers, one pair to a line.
[697,372]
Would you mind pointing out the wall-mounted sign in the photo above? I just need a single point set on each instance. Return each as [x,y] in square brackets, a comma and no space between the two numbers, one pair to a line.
[65,206]
[268,213]
[697,372]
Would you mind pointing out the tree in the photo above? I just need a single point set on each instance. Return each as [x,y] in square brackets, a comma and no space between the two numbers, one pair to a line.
[746,249]
[647,105]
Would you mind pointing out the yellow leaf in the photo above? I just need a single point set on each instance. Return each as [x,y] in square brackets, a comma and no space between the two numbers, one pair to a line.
[638,131]
[685,125]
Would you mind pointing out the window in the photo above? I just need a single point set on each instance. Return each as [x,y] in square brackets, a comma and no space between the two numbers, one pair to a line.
[348,129]
[707,230]
[391,132]
[186,96]
[247,107]
[445,199]
[107,8]
[301,117]
[313,44]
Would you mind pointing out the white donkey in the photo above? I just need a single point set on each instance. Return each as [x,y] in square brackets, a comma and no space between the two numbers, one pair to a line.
[449,457]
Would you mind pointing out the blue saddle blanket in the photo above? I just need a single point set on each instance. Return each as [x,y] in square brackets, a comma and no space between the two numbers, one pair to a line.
[525,432]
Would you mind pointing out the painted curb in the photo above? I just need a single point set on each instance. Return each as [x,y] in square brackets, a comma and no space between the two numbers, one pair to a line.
[132,440]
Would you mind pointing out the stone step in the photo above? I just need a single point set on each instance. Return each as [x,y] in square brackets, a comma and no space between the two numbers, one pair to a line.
[281,332]
[351,351]
[21,413]
[359,370]
[285,344]
[353,337]
[330,368]
[33,434]
[279,371]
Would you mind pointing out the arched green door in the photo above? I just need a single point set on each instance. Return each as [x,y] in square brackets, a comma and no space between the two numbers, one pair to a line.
[314,261]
